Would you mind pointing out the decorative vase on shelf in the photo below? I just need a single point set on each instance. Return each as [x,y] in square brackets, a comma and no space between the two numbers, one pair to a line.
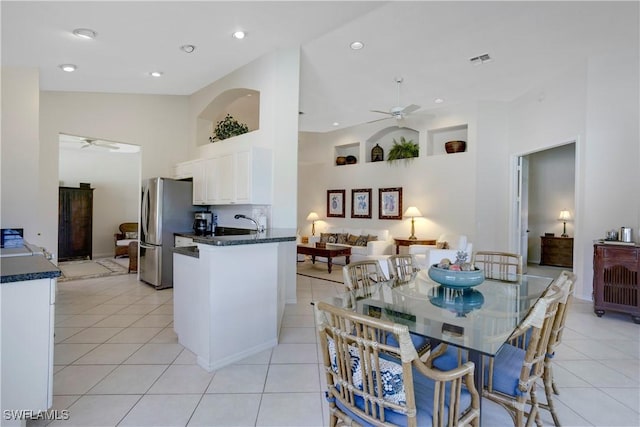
[455,146]
[377,153]
[341,160]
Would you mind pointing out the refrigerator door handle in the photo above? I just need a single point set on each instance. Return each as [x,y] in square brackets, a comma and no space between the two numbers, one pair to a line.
[145,211]
[142,245]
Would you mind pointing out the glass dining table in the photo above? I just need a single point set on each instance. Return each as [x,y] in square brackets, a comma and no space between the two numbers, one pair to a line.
[479,319]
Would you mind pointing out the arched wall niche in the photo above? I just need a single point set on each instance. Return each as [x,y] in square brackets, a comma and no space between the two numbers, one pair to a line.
[384,138]
[241,103]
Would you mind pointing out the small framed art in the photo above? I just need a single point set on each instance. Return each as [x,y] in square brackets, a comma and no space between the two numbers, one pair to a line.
[335,203]
[390,201]
[361,203]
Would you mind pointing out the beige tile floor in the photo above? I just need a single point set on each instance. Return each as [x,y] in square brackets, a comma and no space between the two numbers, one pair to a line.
[118,363]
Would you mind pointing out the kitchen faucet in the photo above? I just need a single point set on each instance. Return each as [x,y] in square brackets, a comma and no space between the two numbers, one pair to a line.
[259,229]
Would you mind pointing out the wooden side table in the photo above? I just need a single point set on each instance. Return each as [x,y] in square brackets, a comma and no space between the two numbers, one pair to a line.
[556,251]
[409,242]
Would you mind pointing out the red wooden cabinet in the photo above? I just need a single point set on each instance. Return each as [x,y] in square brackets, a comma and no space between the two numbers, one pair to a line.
[615,279]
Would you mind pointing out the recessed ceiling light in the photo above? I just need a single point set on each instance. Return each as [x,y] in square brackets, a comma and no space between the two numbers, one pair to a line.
[336,124]
[187,48]
[438,100]
[69,68]
[156,73]
[85,33]
[239,35]
[356,45]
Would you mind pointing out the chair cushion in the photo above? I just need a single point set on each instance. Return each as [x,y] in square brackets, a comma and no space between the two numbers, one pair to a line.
[506,370]
[125,242]
[419,342]
[424,393]
[506,367]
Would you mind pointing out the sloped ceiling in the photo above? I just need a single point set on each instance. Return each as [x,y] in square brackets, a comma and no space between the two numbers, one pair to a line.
[427,43]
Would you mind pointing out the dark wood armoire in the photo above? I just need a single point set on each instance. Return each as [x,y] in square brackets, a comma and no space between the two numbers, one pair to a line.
[75,222]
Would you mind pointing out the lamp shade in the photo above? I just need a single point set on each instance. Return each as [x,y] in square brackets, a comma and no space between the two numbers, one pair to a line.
[564,215]
[412,211]
[312,216]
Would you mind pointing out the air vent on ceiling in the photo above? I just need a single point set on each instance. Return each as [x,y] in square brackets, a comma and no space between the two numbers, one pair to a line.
[480,59]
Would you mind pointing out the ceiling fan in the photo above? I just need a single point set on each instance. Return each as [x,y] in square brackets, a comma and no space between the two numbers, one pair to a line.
[398,112]
[86,142]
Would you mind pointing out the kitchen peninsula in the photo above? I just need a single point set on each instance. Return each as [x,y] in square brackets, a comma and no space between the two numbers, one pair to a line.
[229,294]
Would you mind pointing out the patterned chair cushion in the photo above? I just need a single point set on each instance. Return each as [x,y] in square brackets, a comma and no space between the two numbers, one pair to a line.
[423,391]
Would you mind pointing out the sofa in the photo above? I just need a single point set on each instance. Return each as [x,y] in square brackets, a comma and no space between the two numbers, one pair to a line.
[447,246]
[365,243]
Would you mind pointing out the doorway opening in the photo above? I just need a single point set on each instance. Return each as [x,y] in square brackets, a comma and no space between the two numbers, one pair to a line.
[546,187]
[113,171]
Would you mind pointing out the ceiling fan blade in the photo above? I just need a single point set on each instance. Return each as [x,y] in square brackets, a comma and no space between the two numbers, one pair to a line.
[410,109]
[382,112]
[106,145]
[377,120]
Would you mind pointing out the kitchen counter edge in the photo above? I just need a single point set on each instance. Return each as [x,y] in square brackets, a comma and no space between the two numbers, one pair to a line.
[272,235]
[24,268]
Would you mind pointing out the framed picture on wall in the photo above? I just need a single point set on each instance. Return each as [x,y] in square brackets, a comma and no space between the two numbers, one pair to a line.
[390,203]
[335,203]
[361,203]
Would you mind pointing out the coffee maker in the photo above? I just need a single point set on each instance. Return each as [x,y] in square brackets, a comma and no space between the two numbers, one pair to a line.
[203,223]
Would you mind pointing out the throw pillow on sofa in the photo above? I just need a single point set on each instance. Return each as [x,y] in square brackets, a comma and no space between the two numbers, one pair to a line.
[352,239]
[342,238]
[327,238]
[372,238]
[362,240]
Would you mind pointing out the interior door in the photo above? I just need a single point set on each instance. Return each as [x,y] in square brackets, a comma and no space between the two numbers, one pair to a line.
[523,208]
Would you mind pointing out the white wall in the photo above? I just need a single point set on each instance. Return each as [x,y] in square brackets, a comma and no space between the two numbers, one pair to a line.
[551,189]
[276,76]
[442,187]
[116,180]
[596,104]
[21,153]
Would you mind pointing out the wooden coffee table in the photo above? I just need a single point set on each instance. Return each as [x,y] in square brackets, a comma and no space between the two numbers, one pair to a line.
[330,251]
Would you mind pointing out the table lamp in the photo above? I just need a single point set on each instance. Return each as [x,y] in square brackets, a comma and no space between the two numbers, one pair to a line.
[313,217]
[564,217]
[412,212]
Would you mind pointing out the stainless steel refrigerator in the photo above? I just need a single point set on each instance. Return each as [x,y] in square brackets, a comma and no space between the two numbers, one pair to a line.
[166,209]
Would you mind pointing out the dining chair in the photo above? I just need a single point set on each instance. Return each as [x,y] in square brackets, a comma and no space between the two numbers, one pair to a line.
[498,265]
[402,267]
[365,277]
[511,379]
[566,284]
[370,382]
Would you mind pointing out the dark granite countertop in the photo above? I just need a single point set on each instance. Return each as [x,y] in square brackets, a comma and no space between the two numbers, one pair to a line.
[191,251]
[272,235]
[21,268]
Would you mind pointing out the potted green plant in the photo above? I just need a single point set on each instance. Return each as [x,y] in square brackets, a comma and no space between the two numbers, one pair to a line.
[403,150]
[227,128]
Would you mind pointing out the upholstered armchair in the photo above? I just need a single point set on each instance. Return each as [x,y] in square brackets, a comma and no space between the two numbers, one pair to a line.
[128,233]
[446,246]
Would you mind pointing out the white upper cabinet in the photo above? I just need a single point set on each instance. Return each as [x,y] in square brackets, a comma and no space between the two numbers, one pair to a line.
[199,182]
[240,177]
[183,170]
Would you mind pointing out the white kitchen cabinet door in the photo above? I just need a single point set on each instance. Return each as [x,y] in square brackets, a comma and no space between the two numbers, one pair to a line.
[211,187]
[253,176]
[242,176]
[199,182]
[225,178]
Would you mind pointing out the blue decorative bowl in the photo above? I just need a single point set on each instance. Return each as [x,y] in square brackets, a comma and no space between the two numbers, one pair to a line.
[456,279]
[459,301]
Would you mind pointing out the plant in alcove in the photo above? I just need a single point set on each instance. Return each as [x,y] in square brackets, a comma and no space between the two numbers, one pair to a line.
[227,128]
[403,150]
